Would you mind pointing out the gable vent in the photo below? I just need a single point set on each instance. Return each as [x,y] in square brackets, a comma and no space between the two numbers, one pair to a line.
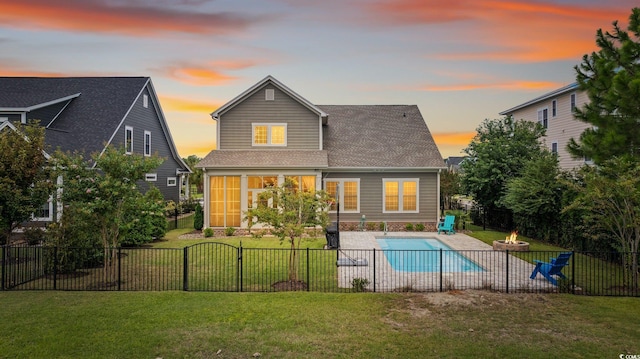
[269,94]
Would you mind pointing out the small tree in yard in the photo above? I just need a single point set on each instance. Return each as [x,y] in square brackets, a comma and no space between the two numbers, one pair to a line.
[25,184]
[106,196]
[198,218]
[290,212]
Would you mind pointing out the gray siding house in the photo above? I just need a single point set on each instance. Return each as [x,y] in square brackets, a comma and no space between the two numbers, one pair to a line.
[382,157]
[87,114]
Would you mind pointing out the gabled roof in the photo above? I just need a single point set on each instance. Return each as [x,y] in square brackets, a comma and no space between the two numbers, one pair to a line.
[97,108]
[268,80]
[379,137]
[555,93]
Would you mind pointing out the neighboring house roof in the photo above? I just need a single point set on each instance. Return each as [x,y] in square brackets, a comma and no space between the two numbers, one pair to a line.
[96,110]
[379,136]
[268,80]
[266,159]
[569,88]
[454,162]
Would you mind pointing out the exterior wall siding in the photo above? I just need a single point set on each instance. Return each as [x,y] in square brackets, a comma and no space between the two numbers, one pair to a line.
[562,127]
[371,191]
[146,119]
[302,124]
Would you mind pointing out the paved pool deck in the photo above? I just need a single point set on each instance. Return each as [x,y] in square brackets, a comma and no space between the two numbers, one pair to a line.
[500,272]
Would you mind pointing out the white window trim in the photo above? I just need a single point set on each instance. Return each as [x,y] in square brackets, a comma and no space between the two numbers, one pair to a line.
[540,116]
[50,217]
[341,182]
[145,143]
[269,125]
[554,108]
[151,177]
[401,182]
[557,147]
[128,150]
[172,181]
[145,101]
[269,95]
[573,101]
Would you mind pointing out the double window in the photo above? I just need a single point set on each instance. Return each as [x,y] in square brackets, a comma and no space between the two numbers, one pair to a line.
[346,192]
[269,134]
[400,195]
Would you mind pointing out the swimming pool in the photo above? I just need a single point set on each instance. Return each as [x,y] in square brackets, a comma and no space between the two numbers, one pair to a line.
[423,255]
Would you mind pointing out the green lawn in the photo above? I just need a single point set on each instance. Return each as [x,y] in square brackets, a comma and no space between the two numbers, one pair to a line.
[315,325]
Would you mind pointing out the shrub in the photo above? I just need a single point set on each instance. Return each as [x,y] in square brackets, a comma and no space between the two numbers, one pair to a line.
[229,231]
[419,227]
[208,232]
[198,218]
[359,284]
[371,226]
[381,226]
[34,235]
[409,227]
[170,209]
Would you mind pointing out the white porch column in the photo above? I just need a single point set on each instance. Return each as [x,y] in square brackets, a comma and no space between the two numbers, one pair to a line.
[205,205]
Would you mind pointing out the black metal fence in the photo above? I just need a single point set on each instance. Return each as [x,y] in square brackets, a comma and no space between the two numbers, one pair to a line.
[179,219]
[221,267]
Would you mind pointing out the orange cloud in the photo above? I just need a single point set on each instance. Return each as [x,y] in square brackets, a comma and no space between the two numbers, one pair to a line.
[209,74]
[178,104]
[517,31]
[27,73]
[123,18]
[453,138]
[518,85]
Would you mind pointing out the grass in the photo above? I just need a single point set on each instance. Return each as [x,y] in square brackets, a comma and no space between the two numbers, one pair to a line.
[315,325]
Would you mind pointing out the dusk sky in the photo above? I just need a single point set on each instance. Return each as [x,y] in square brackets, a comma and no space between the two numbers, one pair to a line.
[460,61]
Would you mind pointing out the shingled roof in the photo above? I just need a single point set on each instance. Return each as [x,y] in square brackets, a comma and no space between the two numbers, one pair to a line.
[379,136]
[98,107]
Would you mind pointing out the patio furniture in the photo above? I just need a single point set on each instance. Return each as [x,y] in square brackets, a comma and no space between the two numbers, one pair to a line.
[552,268]
[448,225]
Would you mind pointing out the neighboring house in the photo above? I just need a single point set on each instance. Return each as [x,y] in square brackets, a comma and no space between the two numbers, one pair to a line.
[382,157]
[453,163]
[554,111]
[86,114]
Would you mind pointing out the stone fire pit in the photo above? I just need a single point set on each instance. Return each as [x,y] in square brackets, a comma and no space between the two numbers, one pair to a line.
[511,243]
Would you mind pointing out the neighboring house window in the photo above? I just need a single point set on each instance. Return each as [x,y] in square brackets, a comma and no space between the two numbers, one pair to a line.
[554,108]
[172,181]
[400,195]
[151,177]
[147,143]
[45,212]
[349,196]
[145,101]
[269,134]
[543,117]
[554,147]
[128,139]
[573,102]
[269,95]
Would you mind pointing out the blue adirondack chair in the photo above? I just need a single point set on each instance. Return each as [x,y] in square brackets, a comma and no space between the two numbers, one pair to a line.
[448,225]
[552,268]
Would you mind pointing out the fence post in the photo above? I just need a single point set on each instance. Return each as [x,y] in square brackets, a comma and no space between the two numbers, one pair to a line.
[4,264]
[240,268]
[441,269]
[55,267]
[119,267]
[573,272]
[308,283]
[507,270]
[185,269]
[374,270]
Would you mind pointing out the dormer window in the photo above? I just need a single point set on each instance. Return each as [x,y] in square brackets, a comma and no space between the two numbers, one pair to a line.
[269,134]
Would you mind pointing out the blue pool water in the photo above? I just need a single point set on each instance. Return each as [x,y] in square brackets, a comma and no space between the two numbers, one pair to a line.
[423,255]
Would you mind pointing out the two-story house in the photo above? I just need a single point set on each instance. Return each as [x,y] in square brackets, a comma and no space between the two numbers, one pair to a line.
[87,114]
[382,158]
[554,111]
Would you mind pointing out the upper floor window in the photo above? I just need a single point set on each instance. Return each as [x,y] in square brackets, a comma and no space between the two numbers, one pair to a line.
[145,101]
[128,140]
[269,134]
[543,117]
[554,108]
[400,195]
[573,102]
[147,143]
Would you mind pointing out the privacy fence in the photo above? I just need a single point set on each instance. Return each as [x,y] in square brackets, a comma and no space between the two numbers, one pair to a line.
[222,267]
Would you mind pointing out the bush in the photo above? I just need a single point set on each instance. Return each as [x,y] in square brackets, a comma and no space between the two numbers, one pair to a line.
[409,227]
[208,232]
[381,226]
[419,227]
[198,218]
[229,231]
[170,209]
[359,284]
[34,235]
